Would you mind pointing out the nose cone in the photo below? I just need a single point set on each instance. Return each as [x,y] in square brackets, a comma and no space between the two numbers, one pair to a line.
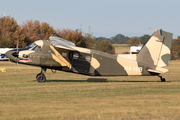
[12,55]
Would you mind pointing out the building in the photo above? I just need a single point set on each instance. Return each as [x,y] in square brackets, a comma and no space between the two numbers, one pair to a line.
[135,49]
[2,53]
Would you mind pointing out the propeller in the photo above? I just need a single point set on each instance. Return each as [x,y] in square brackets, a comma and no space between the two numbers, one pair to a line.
[16,54]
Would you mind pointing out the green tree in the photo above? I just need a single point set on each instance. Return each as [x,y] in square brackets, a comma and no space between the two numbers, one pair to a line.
[120,39]
[144,39]
[100,39]
[104,46]
[4,43]
[133,41]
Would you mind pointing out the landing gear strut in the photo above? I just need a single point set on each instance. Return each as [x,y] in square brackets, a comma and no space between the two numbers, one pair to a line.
[162,79]
[41,77]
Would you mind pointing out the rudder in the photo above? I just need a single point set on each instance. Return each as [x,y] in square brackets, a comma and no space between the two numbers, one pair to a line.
[164,57]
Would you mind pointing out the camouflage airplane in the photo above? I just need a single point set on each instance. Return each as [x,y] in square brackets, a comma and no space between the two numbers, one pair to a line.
[59,54]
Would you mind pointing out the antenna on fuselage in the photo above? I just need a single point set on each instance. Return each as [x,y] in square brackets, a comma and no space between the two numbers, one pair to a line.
[89,29]
[81,27]
[4,14]
[153,28]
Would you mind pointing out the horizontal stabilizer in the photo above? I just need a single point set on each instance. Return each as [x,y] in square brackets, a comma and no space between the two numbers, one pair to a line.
[158,70]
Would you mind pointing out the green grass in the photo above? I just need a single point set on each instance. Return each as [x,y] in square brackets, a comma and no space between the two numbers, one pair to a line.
[69,96]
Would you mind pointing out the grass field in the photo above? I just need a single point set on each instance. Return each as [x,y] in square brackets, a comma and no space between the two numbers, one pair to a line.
[68,96]
[121,48]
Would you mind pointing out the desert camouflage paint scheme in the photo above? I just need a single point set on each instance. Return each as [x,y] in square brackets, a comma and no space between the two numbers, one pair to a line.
[59,54]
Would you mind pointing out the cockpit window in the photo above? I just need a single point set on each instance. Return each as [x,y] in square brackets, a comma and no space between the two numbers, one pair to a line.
[34,47]
[37,48]
[31,46]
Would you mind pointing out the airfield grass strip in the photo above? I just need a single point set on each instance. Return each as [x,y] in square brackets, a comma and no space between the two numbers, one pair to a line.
[69,96]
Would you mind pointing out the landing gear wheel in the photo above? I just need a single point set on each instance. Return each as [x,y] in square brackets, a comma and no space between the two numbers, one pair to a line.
[163,80]
[38,75]
[41,77]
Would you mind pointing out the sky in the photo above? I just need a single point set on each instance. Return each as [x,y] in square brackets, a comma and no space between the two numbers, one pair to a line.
[105,18]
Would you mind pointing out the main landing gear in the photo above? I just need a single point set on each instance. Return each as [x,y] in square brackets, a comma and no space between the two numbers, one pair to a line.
[41,77]
[162,79]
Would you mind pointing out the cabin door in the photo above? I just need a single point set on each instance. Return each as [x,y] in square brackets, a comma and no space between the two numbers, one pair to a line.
[81,62]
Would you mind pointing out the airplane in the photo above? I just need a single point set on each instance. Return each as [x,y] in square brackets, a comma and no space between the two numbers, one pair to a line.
[60,54]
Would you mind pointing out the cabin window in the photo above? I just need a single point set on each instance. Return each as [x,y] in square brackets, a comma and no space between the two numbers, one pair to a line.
[64,55]
[88,58]
[82,56]
[25,56]
[75,56]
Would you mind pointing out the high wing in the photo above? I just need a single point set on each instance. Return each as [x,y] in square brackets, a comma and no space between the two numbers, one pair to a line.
[61,43]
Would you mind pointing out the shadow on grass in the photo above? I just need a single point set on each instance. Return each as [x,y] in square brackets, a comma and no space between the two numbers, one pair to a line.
[98,80]
[88,80]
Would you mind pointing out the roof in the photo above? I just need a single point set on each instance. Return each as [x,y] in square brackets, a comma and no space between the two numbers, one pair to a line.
[135,48]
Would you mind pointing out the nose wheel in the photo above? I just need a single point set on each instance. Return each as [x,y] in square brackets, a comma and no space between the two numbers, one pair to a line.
[41,77]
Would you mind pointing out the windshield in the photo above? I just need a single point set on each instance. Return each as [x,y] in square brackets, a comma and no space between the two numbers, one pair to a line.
[34,47]
[31,46]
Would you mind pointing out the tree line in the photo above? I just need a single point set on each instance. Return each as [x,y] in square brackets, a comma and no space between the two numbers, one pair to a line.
[30,31]
[135,41]
[121,39]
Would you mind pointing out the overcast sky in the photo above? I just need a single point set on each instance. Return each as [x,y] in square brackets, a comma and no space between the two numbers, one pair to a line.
[105,17]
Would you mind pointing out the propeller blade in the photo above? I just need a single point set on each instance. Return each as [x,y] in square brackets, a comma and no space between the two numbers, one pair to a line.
[18,66]
[16,54]
[15,64]
[17,45]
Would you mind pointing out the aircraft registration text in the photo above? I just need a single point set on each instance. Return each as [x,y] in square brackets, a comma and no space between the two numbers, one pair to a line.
[133,68]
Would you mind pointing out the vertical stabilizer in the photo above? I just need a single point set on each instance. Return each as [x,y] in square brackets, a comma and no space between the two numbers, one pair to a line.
[156,51]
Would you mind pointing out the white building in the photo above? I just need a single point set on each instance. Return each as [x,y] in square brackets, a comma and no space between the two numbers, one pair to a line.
[2,53]
[135,49]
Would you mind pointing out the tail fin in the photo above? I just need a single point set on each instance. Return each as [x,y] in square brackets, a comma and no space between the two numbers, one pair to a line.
[156,52]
